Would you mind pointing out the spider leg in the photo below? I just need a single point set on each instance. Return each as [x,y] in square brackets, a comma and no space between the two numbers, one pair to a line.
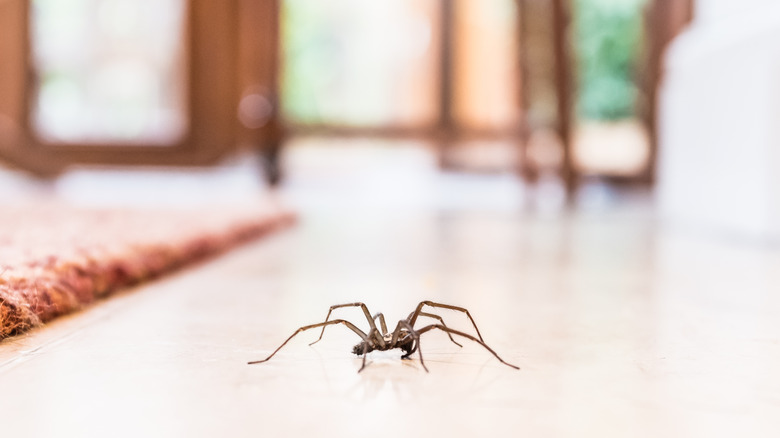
[381,322]
[465,335]
[307,327]
[418,311]
[441,320]
[372,332]
[416,337]
[365,312]
[396,333]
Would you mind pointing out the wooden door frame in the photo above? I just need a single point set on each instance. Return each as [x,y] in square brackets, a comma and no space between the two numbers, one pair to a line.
[564,89]
[259,71]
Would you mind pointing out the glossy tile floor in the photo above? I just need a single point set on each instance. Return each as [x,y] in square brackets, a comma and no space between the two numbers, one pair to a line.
[621,327]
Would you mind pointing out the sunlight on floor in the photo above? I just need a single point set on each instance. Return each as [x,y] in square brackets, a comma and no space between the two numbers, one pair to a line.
[399,176]
[369,175]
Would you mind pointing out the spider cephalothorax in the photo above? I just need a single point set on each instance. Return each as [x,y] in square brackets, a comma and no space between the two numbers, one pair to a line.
[405,336]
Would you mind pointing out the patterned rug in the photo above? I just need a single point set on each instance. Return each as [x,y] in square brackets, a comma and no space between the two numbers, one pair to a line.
[56,259]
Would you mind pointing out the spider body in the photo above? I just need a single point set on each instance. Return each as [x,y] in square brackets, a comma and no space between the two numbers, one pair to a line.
[405,336]
[405,342]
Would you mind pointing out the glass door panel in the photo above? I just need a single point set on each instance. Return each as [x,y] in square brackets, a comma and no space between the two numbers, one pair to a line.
[109,71]
[360,63]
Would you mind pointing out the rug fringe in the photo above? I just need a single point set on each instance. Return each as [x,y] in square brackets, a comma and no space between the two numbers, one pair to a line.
[37,292]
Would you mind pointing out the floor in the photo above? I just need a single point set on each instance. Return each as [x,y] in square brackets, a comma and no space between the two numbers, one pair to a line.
[621,326]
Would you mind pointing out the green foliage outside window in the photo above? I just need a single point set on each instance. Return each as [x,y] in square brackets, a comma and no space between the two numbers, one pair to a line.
[608,40]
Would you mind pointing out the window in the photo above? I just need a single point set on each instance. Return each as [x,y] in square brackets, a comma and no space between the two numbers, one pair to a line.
[118,81]
[105,71]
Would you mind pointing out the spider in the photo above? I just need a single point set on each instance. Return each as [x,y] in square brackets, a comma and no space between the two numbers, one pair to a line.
[405,336]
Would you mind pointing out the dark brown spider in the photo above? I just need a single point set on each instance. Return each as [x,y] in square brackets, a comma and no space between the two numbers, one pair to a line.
[405,336]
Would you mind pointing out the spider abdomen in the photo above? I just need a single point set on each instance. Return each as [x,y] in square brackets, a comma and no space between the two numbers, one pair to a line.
[406,344]
[359,348]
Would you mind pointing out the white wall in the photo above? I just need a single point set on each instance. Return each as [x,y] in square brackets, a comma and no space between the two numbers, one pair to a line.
[713,11]
[719,121]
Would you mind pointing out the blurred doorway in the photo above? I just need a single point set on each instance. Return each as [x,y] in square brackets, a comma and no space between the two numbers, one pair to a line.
[542,86]
[608,41]
[590,73]
[562,87]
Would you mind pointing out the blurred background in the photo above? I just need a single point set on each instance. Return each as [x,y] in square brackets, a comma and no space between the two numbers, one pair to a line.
[598,180]
[553,102]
